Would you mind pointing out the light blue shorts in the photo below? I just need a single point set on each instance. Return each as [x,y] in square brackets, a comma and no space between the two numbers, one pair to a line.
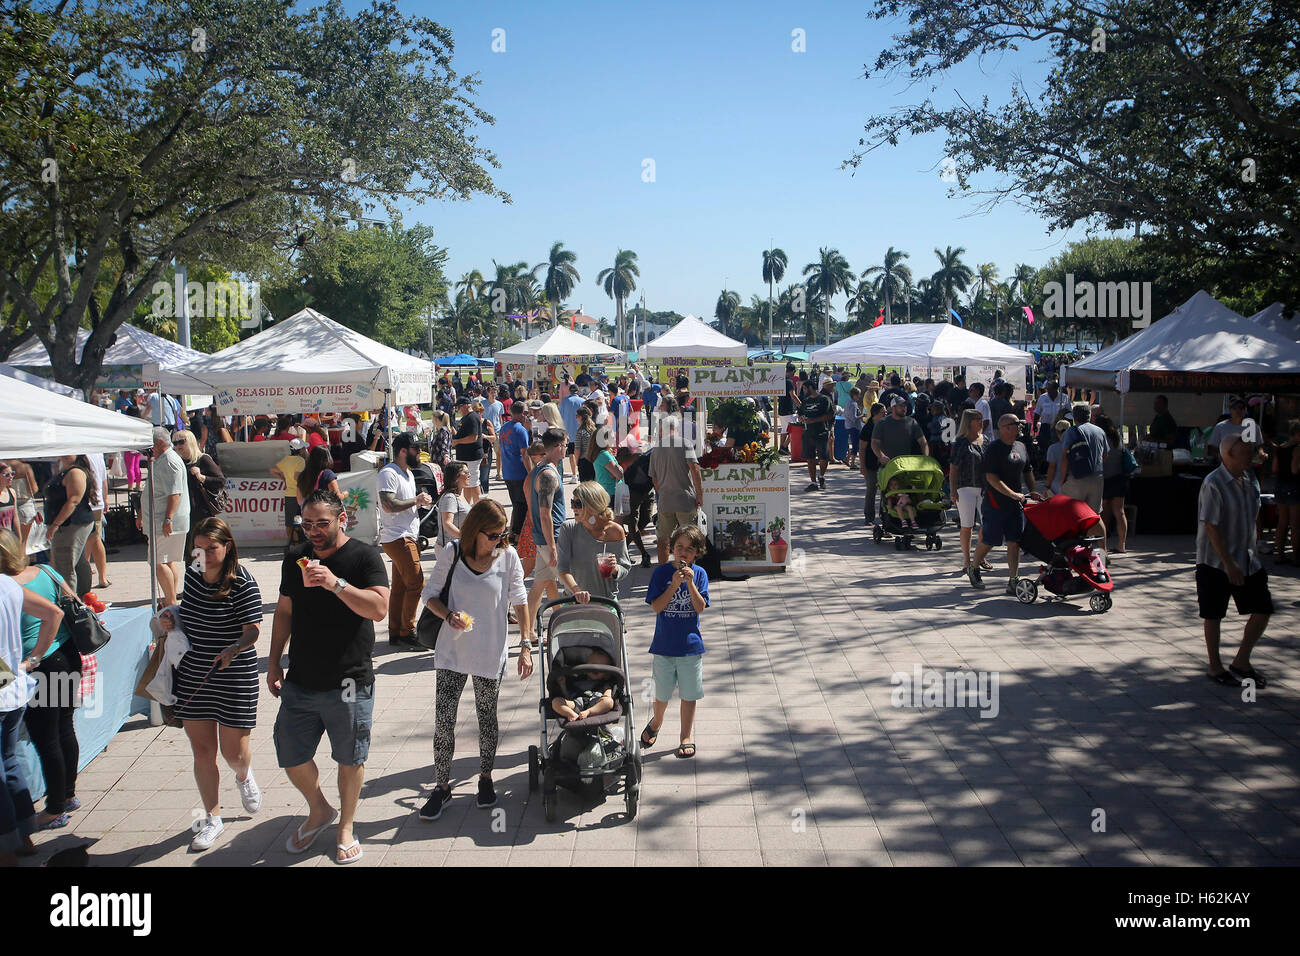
[684,673]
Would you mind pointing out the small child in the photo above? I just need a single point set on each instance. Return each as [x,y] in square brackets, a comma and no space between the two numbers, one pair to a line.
[595,692]
[678,591]
[903,505]
[853,425]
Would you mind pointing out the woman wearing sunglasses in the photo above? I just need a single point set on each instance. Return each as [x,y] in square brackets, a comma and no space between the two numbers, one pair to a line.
[486,579]
[592,556]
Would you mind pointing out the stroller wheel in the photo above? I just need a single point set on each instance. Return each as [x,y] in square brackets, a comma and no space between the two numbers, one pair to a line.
[1100,603]
[534,768]
[929,544]
[877,533]
[423,543]
[938,543]
[631,792]
[550,796]
[1026,591]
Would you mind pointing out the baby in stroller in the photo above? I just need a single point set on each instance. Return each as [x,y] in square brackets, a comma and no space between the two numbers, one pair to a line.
[593,690]
[903,504]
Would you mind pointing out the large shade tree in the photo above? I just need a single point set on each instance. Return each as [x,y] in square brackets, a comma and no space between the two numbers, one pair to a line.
[136,132]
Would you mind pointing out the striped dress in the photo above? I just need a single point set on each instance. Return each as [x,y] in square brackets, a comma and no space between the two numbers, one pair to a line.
[230,696]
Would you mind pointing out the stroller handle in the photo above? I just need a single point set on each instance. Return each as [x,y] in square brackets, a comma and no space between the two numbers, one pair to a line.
[559,602]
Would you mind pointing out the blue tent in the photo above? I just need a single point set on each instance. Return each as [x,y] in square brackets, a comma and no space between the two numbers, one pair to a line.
[461,359]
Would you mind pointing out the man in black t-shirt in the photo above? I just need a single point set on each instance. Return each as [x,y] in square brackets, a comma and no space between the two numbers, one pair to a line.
[330,598]
[817,415]
[1002,515]
[786,405]
[468,444]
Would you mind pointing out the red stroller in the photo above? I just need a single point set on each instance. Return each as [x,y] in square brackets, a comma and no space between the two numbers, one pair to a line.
[1063,532]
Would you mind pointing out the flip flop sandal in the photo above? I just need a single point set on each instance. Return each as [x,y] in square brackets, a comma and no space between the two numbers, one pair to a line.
[1244,675]
[681,751]
[345,860]
[1225,679]
[651,733]
[307,838]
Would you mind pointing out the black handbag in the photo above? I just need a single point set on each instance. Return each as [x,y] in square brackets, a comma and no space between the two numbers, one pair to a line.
[88,632]
[429,624]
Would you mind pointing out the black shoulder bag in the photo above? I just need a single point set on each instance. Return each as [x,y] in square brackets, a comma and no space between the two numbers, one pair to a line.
[427,628]
[88,632]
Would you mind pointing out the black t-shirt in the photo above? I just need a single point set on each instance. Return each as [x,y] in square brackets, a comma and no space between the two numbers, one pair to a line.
[958,396]
[997,408]
[330,642]
[869,458]
[471,450]
[815,406]
[1008,462]
[784,405]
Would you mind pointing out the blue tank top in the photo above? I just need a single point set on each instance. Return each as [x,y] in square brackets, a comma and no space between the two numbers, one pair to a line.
[558,511]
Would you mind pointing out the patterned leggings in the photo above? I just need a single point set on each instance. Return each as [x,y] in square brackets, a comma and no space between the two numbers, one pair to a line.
[449,687]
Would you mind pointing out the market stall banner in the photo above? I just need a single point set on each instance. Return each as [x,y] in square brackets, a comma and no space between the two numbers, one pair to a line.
[1015,374]
[414,387]
[710,381]
[747,515]
[303,399]
[256,515]
[670,368]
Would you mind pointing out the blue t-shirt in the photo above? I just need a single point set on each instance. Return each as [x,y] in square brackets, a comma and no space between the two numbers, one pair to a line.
[569,414]
[514,442]
[621,406]
[677,627]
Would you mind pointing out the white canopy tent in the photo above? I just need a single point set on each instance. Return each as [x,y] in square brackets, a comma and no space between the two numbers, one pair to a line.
[46,383]
[559,346]
[304,364]
[693,338]
[1278,318]
[1202,346]
[133,361]
[928,344]
[41,424]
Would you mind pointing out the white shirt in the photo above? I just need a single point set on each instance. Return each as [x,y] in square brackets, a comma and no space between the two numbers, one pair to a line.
[18,690]
[982,406]
[1226,429]
[397,524]
[482,650]
[100,473]
[170,477]
[1047,410]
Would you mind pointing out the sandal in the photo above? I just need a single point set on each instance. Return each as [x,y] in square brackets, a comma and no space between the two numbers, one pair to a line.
[304,840]
[681,751]
[1225,679]
[345,860]
[652,733]
[58,823]
[1243,675]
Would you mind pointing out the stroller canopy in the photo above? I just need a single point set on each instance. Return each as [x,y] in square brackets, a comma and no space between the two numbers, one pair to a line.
[919,474]
[1060,517]
[589,625]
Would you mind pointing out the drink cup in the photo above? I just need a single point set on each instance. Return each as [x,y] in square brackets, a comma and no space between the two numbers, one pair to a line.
[607,564]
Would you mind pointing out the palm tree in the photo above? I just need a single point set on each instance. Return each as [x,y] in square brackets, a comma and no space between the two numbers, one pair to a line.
[507,292]
[774,263]
[815,303]
[471,283]
[561,277]
[464,320]
[829,274]
[892,280]
[619,283]
[953,276]
[725,310]
[862,306]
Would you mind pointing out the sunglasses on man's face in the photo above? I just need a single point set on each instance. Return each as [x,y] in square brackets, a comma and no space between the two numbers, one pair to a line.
[318,525]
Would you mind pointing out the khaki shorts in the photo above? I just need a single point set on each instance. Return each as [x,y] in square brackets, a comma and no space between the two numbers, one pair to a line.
[1087,490]
[670,521]
[542,570]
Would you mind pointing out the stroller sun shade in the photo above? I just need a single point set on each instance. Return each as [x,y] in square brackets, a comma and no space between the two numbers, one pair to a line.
[585,626]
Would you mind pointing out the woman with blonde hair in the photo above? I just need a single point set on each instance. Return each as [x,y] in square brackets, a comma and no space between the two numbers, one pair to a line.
[966,478]
[206,481]
[592,546]
[440,443]
[217,681]
[487,579]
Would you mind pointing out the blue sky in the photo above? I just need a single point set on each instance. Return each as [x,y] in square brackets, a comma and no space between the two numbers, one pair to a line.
[747,137]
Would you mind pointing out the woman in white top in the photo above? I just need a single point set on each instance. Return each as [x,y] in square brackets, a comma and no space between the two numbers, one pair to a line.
[452,506]
[486,579]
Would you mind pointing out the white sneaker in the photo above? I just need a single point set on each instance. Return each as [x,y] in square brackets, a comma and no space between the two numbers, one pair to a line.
[250,793]
[207,834]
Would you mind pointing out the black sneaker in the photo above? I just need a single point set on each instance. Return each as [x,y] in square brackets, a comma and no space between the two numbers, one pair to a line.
[432,808]
[487,797]
[976,580]
[645,560]
[821,481]
[404,642]
[812,486]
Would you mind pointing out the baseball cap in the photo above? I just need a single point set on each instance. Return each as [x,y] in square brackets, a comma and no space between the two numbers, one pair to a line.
[297,444]
[1237,402]
[897,400]
[462,400]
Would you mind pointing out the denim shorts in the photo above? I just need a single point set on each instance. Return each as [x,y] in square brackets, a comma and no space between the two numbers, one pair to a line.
[684,673]
[1006,523]
[345,714]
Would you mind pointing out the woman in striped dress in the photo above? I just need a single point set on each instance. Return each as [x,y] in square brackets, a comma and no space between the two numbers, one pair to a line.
[216,682]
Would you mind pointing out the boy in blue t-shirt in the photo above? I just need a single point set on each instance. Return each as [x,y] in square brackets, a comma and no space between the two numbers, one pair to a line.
[678,592]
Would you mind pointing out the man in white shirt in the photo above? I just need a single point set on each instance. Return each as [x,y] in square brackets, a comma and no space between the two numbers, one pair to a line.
[982,406]
[1049,409]
[399,532]
[166,513]
[1237,425]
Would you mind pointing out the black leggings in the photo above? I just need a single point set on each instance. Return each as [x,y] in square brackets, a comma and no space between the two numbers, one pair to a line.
[518,507]
[49,724]
[449,685]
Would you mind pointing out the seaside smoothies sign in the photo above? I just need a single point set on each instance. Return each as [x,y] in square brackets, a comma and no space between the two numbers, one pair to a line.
[747,511]
[256,514]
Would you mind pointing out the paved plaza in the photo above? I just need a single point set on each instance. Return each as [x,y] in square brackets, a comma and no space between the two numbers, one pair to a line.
[1108,747]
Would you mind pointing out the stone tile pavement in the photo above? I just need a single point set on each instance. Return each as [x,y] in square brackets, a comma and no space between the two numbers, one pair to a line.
[803,758]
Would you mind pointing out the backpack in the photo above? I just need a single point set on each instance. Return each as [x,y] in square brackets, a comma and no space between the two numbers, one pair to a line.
[637,474]
[1078,453]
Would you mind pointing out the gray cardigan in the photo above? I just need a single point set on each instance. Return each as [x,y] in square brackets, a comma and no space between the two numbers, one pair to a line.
[577,555]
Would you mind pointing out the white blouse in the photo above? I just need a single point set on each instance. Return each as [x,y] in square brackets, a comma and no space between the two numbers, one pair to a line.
[483,649]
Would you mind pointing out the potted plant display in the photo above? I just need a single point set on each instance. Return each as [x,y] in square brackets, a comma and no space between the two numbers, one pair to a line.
[778,547]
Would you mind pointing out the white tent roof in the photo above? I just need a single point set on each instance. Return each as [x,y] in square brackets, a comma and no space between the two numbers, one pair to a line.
[308,362]
[693,338]
[41,424]
[921,343]
[134,346]
[46,383]
[1273,319]
[1201,337]
[558,345]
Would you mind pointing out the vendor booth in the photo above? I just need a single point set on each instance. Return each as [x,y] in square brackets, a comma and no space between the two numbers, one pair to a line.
[40,424]
[1197,355]
[8,371]
[689,343]
[307,364]
[551,356]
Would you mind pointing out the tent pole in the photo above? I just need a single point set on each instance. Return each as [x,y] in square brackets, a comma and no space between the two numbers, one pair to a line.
[155,709]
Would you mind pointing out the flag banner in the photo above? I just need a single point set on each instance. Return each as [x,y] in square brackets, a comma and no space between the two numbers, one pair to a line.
[957,317]
[1029,314]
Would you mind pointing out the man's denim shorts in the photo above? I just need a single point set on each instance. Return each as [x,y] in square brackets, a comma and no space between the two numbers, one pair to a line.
[345,714]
